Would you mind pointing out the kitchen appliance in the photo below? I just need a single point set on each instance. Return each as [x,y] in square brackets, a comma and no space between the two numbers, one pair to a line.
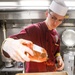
[68,38]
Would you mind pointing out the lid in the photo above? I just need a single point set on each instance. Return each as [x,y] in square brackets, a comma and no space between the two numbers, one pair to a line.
[68,37]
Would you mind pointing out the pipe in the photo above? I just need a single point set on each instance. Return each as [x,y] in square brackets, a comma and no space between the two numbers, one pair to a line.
[4,29]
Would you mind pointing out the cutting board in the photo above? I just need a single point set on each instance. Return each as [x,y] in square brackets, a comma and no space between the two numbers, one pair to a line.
[44,73]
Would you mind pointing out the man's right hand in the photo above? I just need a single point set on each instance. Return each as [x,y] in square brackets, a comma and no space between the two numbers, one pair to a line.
[17,49]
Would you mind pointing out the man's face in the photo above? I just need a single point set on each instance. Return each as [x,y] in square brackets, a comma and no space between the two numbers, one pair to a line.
[54,20]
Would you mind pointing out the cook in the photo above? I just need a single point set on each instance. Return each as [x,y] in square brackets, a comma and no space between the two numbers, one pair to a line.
[43,34]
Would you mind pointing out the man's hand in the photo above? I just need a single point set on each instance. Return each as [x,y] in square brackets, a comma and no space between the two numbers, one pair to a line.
[17,49]
[60,63]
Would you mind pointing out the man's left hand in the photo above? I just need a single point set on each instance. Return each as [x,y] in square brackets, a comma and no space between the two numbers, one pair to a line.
[60,63]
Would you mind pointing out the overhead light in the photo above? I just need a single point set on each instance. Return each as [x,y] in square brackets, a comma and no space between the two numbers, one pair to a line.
[70,3]
[34,3]
[33,8]
[3,4]
[27,4]
[72,8]
[8,5]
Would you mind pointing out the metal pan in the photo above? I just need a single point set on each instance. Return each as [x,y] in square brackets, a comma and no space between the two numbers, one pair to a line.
[68,37]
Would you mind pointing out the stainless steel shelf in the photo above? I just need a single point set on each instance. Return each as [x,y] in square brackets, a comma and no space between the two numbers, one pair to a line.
[12,69]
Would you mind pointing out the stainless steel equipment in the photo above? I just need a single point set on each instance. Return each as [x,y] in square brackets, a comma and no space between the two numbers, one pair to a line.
[8,61]
[68,38]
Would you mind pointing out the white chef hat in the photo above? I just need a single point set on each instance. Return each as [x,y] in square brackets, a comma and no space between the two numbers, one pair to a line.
[59,7]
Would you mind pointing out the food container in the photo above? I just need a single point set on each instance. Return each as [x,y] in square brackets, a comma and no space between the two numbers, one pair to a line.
[40,54]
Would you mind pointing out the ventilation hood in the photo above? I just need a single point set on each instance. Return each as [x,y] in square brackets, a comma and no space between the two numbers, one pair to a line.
[31,4]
